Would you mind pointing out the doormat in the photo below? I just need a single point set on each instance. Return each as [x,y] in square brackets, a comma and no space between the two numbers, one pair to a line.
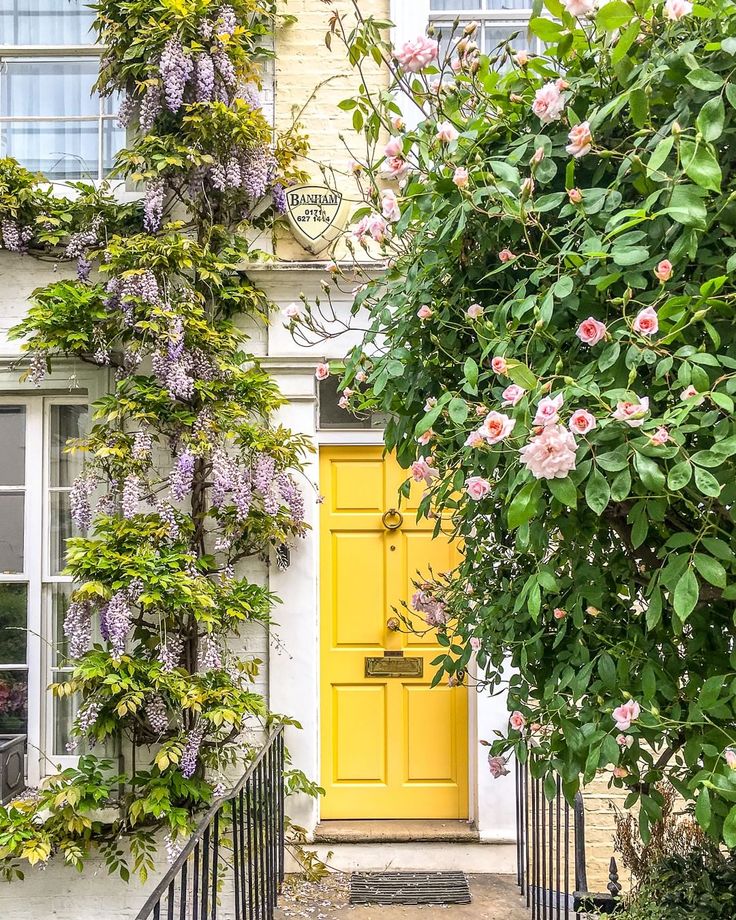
[409,888]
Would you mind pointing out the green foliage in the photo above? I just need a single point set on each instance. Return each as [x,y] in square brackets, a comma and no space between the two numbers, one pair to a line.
[613,579]
[185,472]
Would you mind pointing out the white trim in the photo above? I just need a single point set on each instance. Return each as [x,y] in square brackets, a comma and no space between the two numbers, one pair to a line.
[360,437]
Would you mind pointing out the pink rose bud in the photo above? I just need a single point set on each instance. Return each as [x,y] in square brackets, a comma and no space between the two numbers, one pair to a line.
[397,123]
[620,772]
[361,376]
[512,395]
[730,755]
[537,156]
[322,371]
[664,270]
[446,132]
[475,643]
[506,255]
[625,714]
[425,312]
[646,322]
[522,57]
[477,487]
[575,195]
[676,9]
[425,438]
[394,148]
[474,311]
[460,177]
[581,422]
[580,140]
[517,720]
[527,187]
[559,614]
[661,436]
[499,365]
[591,331]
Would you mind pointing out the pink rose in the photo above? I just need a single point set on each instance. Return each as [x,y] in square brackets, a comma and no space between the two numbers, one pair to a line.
[537,156]
[664,270]
[460,177]
[430,403]
[322,371]
[579,8]
[512,395]
[474,311]
[394,148]
[361,376]
[397,123]
[425,312]
[559,614]
[425,438]
[625,740]
[496,427]
[474,643]
[372,225]
[421,469]
[390,205]
[688,392]
[497,766]
[499,364]
[522,57]
[475,438]
[591,331]
[394,167]
[646,322]
[547,410]
[506,255]
[517,720]
[343,402]
[477,487]
[527,187]
[676,9]
[730,755]
[446,132]
[575,195]
[620,772]
[581,422]
[551,454]
[293,311]
[418,54]
[632,412]
[661,436]
[548,103]
[625,714]
[580,140]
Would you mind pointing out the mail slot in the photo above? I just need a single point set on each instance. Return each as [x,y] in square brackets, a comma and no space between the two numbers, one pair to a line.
[394,666]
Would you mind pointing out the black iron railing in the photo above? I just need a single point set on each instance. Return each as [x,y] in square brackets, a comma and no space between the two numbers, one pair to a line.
[232,866]
[550,854]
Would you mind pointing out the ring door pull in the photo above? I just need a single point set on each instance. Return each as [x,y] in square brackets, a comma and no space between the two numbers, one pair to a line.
[392,519]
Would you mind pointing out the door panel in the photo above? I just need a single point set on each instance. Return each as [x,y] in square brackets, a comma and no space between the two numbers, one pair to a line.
[392,747]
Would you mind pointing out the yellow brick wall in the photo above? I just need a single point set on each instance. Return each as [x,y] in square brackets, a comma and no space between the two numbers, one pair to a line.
[600,826]
[303,64]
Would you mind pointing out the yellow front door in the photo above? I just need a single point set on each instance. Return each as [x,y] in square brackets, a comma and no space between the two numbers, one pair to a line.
[392,746]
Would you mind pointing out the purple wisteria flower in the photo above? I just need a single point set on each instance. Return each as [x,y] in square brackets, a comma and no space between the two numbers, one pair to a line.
[125,112]
[169,652]
[292,495]
[191,750]
[87,715]
[150,107]
[182,476]
[131,496]
[78,628]
[210,657]
[37,371]
[205,78]
[118,622]
[168,517]
[157,715]
[176,68]
[79,501]
[278,196]
[227,22]
[153,204]
[263,472]
[142,444]
[15,237]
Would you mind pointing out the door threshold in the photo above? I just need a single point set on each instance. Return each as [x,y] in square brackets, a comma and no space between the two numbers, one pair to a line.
[395,831]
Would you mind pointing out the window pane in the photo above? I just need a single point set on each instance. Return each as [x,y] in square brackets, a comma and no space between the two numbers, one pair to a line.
[13,620]
[65,712]
[11,532]
[53,87]
[60,594]
[61,529]
[12,445]
[58,149]
[46,22]
[330,413]
[495,35]
[66,422]
[13,702]
[113,139]
[455,5]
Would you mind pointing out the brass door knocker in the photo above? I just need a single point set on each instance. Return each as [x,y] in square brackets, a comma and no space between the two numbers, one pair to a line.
[392,515]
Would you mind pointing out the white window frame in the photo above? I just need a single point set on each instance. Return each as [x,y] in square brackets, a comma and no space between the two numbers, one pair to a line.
[514,19]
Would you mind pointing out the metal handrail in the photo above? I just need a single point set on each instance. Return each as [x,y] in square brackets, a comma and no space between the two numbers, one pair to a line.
[543,848]
[257,807]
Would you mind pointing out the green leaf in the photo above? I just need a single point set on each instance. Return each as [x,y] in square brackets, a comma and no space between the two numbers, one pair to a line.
[707,482]
[649,472]
[621,486]
[638,106]
[470,371]
[654,610]
[597,492]
[701,166]
[686,594]
[702,78]
[660,153]
[625,42]
[607,670]
[458,410]
[520,374]
[629,255]
[710,569]
[564,491]
[703,809]
[613,15]
[679,476]
[711,118]
[686,206]
[523,505]
[729,828]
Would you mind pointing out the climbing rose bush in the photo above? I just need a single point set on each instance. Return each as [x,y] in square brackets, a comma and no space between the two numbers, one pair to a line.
[553,342]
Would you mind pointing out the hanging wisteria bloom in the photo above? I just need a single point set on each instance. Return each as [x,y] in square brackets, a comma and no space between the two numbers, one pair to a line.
[142,444]
[182,476]
[118,623]
[153,204]
[157,715]
[170,651]
[191,751]
[176,68]
[78,628]
[131,496]
[210,658]
[79,501]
